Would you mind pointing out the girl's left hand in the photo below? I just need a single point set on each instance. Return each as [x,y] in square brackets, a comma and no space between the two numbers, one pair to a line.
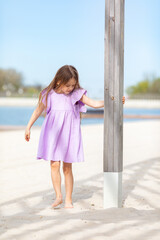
[123,99]
[27,134]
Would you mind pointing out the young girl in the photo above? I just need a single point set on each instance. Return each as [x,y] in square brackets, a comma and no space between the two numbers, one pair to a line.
[60,138]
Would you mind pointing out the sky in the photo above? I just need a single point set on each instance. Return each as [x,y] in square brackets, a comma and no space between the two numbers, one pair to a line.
[38,37]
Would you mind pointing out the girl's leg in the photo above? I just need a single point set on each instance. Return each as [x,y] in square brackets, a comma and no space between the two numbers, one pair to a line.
[56,180]
[67,170]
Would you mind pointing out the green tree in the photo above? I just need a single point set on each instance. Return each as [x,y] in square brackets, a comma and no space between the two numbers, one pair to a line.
[141,87]
[155,87]
[149,87]
[10,79]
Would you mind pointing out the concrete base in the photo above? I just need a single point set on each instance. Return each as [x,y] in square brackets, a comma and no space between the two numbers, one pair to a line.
[112,190]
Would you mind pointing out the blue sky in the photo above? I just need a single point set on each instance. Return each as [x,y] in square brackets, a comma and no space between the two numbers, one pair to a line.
[38,37]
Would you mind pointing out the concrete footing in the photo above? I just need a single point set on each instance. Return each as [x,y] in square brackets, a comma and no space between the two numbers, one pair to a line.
[112,192]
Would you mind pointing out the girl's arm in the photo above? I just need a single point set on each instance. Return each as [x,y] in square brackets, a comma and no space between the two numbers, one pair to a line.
[37,112]
[91,102]
[95,103]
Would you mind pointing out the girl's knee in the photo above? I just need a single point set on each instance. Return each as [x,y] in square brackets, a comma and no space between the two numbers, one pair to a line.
[67,168]
[55,165]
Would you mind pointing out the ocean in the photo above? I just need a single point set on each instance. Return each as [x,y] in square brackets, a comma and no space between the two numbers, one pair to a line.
[19,116]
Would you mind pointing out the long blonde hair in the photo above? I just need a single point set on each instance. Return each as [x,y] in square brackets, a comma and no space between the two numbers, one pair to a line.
[63,75]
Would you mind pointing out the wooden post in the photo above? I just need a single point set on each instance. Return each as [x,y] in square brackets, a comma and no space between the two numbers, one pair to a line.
[113,106]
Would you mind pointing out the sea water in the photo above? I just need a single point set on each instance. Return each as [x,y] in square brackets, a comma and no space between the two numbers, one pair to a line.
[19,116]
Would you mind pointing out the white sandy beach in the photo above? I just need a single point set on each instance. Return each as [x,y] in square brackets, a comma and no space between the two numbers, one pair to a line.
[27,192]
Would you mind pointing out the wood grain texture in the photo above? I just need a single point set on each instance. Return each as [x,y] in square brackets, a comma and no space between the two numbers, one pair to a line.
[113,85]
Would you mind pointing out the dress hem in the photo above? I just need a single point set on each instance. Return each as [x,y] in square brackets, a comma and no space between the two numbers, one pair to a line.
[40,158]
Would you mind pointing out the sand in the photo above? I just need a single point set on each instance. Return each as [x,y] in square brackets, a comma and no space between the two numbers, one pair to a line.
[27,192]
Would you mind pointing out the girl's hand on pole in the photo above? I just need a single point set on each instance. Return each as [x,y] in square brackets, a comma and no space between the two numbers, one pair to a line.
[123,99]
[27,134]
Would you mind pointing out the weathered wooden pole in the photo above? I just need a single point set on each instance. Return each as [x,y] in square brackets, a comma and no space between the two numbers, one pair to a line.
[113,106]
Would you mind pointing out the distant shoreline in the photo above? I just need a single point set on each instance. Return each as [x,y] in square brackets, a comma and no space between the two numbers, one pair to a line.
[32,102]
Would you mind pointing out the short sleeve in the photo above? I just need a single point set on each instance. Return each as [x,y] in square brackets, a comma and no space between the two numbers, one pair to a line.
[75,98]
[48,100]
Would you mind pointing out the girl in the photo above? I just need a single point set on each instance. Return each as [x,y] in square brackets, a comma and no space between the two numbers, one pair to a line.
[60,138]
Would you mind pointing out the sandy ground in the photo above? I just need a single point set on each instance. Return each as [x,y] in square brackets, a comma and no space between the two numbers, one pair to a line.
[27,192]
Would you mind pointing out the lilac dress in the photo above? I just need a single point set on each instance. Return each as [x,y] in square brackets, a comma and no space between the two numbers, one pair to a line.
[60,137]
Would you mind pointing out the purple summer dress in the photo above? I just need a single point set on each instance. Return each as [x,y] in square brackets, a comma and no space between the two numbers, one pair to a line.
[60,137]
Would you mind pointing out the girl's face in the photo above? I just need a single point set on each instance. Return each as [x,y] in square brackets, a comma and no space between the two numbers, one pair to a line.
[69,86]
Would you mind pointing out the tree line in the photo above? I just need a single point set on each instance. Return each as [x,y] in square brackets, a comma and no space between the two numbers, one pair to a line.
[147,88]
[12,84]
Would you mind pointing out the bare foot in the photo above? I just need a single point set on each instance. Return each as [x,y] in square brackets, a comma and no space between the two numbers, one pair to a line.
[68,205]
[57,202]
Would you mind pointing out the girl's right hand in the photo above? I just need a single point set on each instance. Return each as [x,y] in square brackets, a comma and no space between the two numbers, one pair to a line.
[27,134]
